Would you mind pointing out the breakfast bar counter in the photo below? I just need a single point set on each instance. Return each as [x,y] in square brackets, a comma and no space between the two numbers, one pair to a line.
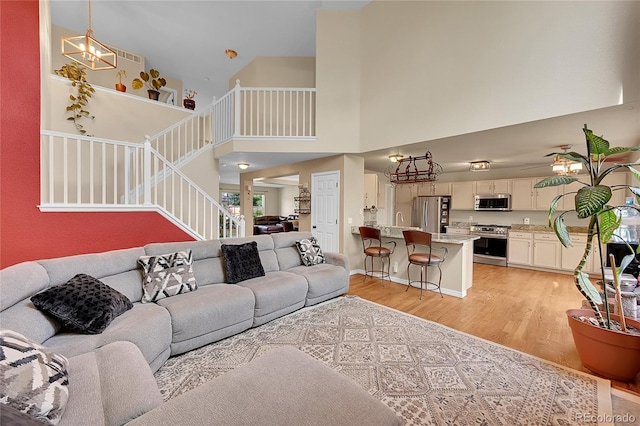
[457,269]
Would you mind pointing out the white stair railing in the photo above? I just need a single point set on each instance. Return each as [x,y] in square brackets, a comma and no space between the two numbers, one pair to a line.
[265,113]
[92,174]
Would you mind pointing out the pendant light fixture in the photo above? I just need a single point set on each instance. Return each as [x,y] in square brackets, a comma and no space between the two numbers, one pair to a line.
[563,166]
[396,157]
[88,51]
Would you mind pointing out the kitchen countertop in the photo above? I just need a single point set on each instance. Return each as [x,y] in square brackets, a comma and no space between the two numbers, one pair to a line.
[396,232]
[544,228]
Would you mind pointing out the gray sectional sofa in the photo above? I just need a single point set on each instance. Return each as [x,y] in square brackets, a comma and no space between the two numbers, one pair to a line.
[106,367]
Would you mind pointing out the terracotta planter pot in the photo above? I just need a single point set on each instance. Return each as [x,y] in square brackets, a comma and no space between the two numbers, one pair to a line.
[121,87]
[153,94]
[609,353]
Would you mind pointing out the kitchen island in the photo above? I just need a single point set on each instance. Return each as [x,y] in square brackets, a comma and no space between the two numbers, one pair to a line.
[457,269]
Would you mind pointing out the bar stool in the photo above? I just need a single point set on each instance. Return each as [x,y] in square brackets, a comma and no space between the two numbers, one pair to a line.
[424,259]
[372,248]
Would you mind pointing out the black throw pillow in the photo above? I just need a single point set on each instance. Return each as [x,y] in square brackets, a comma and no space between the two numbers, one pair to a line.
[83,304]
[241,262]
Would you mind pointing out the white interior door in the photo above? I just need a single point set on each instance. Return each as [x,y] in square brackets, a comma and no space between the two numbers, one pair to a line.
[325,206]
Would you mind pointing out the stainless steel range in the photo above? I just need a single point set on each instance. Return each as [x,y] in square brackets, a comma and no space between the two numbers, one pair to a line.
[491,248]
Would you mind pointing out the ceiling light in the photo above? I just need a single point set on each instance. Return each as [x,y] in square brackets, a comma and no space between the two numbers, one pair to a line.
[479,166]
[243,166]
[563,166]
[395,157]
[231,54]
[88,51]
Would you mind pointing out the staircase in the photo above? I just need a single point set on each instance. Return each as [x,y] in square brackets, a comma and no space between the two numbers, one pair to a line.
[80,173]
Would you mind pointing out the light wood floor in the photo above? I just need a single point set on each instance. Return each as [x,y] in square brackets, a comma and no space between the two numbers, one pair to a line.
[519,308]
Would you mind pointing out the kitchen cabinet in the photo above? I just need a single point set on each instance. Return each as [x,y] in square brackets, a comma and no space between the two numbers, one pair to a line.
[500,186]
[544,196]
[370,190]
[457,231]
[519,251]
[571,256]
[434,188]
[546,250]
[568,202]
[462,195]
[522,194]
[405,193]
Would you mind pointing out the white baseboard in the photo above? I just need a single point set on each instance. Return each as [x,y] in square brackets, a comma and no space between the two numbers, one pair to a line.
[405,282]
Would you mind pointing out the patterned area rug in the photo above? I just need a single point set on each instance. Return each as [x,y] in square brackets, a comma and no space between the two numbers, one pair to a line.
[427,373]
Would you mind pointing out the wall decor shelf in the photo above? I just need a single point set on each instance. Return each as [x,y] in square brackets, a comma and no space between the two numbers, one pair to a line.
[303,201]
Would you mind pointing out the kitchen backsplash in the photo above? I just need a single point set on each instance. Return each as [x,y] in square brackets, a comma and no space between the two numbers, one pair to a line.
[537,217]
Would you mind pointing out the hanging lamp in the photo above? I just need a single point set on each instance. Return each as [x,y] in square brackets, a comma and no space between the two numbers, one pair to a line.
[86,50]
[563,166]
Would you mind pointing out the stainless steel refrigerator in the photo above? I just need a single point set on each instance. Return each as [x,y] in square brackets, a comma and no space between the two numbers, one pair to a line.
[431,213]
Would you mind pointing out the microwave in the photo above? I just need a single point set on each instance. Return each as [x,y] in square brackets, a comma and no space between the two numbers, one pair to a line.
[497,202]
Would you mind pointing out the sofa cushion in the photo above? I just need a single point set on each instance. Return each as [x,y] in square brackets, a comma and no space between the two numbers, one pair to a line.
[277,293]
[241,262]
[310,251]
[19,282]
[83,304]
[34,378]
[282,387]
[166,275]
[210,314]
[325,281]
[147,325]
[110,386]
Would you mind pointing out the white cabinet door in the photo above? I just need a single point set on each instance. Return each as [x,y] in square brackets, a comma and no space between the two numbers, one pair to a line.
[484,187]
[571,256]
[519,249]
[442,188]
[568,202]
[502,186]
[462,195]
[544,196]
[404,193]
[522,196]
[458,231]
[546,251]
[370,190]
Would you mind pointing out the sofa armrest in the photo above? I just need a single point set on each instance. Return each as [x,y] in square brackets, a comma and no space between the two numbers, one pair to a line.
[337,259]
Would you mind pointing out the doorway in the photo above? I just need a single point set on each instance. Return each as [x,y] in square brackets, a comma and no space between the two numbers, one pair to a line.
[325,209]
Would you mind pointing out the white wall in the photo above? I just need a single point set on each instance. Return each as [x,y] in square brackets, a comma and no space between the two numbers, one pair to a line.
[411,71]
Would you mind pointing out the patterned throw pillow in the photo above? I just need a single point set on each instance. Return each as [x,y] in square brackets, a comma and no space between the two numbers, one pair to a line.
[34,379]
[166,275]
[241,262]
[84,304]
[310,252]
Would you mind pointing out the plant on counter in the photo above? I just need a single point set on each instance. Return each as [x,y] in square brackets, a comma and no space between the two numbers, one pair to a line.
[591,204]
[152,80]
[78,103]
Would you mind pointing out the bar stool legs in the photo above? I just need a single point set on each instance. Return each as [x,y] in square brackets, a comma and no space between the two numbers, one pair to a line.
[424,283]
[370,272]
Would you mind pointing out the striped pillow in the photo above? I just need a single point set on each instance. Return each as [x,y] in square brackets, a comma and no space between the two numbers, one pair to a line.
[166,275]
[34,378]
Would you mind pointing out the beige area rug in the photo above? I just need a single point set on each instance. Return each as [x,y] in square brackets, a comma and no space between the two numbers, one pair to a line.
[427,373]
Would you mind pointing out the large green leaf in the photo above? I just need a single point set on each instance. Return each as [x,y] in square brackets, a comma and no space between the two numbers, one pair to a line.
[620,150]
[635,173]
[608,222]
[562,232]
[554,206]
[555,181]
[587,288]
[597,145]
[591,199]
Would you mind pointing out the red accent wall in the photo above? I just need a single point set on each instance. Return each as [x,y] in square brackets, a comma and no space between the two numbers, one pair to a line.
[25,232]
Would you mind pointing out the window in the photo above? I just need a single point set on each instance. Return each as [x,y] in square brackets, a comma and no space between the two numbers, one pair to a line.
[231,201]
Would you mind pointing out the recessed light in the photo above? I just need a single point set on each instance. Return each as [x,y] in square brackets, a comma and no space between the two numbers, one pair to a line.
[231,54]
[243,166]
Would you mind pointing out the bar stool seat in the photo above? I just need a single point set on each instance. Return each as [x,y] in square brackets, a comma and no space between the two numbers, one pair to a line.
[372,247]
[424,258]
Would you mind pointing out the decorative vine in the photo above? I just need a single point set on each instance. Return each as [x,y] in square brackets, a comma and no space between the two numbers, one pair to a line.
[78,102]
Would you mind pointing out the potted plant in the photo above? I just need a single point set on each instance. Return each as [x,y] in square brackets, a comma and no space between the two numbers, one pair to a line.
[152,80]
[119,86]
[188,101]
[602,348]
[77,107]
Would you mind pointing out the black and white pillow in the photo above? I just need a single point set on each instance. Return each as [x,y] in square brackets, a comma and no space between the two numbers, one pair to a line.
[310,251]
[34,379]
[83,304]
[167,275]
[241,262]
